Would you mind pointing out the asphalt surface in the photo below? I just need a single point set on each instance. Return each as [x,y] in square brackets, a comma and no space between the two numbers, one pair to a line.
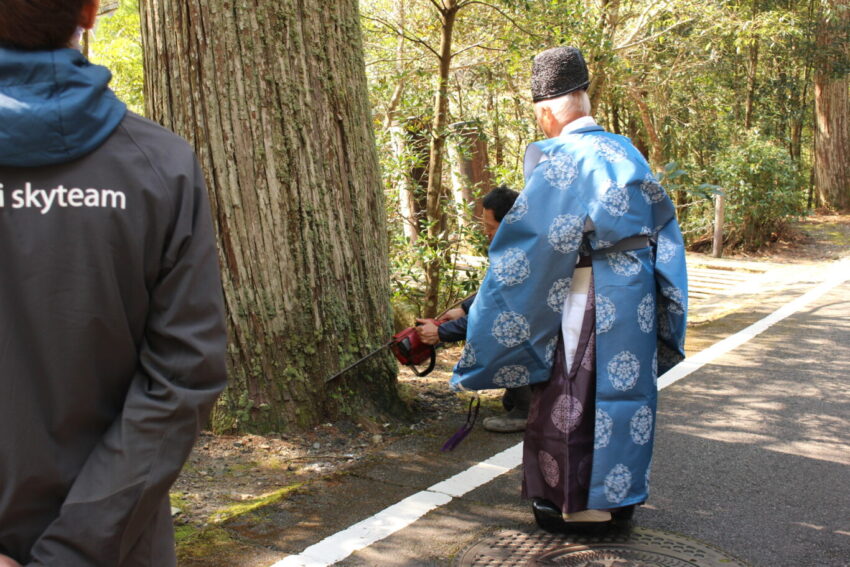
[752,457]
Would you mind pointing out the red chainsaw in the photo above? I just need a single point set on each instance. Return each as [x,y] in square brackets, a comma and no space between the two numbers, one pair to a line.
[408,349]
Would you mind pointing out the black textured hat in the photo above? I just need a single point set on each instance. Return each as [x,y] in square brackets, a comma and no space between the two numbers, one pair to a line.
[556,72]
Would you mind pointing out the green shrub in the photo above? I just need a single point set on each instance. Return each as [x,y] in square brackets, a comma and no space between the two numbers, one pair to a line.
[763,190]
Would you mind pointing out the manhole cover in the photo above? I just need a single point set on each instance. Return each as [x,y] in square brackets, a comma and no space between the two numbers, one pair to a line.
[638,548]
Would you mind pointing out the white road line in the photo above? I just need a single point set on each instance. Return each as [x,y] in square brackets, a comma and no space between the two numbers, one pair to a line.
[340,545]
[390,520]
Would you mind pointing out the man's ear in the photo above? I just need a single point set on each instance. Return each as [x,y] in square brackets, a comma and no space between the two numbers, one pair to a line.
[89,14]
[547,121]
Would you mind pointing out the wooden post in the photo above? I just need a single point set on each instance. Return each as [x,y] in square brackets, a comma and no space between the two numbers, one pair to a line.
[717,247]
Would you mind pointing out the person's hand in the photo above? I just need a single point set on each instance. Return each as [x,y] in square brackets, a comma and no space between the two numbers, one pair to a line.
[427,332]
[453,314]
[8,562]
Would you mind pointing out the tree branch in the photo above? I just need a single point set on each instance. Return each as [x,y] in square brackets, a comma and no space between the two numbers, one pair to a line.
[479,44]
[440,6]
[653,36]
[402,33]
[641,21]
[502,13]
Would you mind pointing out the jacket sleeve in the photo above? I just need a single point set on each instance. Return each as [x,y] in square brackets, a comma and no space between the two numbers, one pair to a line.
[453,331]
[180,373]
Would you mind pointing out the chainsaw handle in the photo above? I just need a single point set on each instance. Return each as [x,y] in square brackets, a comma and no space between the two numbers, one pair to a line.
[431,364]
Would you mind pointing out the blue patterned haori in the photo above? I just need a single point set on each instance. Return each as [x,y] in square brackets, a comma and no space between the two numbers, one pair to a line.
[589,190]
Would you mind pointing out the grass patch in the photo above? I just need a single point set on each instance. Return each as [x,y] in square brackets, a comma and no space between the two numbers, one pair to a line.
[197,543]
[178,500]
[242,508]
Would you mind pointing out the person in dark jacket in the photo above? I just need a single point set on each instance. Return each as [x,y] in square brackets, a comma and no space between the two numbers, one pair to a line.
[112,334]
[516,401]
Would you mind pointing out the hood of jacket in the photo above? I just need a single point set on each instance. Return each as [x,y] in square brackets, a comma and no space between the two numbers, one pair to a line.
[55,106]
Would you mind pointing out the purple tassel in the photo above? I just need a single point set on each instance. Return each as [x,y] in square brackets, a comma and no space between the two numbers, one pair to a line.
[460,434]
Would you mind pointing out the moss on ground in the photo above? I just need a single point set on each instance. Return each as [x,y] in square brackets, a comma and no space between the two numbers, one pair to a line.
[243,508]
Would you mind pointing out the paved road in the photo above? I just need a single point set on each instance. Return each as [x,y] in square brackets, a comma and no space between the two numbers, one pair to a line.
[753,451]
[752,457]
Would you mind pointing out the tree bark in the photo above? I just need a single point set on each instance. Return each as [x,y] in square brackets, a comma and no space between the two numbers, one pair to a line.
[493,112]
[832,110]
[471,178]
[656,148]
[412,146]
[272,94]
[752,74]
[436,192]
[601,54]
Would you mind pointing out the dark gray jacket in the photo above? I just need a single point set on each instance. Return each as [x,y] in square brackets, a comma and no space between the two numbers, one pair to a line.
[112,344]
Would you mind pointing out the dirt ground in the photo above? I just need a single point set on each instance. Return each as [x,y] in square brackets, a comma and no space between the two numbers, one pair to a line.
[227,476]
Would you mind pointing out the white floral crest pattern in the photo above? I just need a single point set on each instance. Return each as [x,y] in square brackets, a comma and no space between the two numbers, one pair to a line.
[558,293]
[603,429]
[549,468]
[640,426]
[561,171]
[566,413]
[624,263]
[646,313]
[624,370]
[467,356]
[666,249]
[512,267]
[565,233]
[651,190]
[677,299]
[518,211]
[615,199]
[510,329]
[511,376]
[610,150]
[606,314]
[617,483]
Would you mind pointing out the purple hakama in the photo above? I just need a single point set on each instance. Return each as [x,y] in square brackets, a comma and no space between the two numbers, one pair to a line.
[559,437]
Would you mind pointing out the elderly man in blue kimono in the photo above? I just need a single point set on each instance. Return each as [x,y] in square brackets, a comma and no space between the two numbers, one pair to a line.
[585,299]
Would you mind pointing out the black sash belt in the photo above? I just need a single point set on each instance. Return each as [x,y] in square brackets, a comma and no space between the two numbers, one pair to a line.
[631,243]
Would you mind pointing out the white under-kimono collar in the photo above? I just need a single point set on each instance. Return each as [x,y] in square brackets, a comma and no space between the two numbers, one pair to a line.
[578,124]
[533,154]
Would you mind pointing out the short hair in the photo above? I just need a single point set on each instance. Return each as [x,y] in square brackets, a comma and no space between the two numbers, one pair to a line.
[563,106]
[39,24]
[500,200]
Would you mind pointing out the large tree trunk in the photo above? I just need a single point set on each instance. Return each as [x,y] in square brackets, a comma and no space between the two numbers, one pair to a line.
[832,110]
[273,97]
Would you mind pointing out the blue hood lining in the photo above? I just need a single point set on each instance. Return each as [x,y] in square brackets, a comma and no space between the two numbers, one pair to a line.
[55,107]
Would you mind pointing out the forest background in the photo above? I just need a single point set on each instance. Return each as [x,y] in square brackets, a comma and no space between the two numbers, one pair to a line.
[745,99]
